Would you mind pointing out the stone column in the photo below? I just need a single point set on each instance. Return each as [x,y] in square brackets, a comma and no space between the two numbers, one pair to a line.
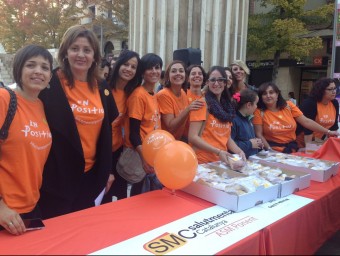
[217,27]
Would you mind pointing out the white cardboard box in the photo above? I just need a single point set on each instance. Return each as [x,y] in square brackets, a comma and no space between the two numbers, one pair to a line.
[316,175]
[232,202]
[287,187]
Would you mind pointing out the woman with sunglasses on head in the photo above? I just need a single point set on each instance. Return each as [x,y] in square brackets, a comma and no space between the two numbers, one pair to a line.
[240,72]
[125,79]
[275,120]
[79,111]
[173,101]
[322,107]
[210,126]
[24,152]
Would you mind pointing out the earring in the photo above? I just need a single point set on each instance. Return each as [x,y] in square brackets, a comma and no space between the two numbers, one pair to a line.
[48,86]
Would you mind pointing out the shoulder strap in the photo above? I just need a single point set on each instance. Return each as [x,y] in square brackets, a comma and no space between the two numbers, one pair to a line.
[12,107]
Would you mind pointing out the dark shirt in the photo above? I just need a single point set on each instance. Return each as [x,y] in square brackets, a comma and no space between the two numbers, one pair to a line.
[241,132]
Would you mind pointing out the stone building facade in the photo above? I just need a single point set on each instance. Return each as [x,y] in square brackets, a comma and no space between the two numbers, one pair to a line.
[217,27]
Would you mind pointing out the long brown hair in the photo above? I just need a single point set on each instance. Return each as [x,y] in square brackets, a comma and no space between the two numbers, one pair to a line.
[68,39]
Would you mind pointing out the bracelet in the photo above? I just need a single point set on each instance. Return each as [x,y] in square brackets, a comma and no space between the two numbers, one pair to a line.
[328,132]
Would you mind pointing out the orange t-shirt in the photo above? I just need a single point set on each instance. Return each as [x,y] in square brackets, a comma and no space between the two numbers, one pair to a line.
[278,126]
[325,117]
[88,113]
[191,96]
[24,153]
[169,103]
[144,107]
[117,124]
[215,132]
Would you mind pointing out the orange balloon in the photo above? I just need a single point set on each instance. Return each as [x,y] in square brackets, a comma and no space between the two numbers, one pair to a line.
[153,142]
[176,165]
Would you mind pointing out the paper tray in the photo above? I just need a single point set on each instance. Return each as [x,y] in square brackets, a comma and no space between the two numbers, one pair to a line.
[232,202]
[320,176]
[287,187]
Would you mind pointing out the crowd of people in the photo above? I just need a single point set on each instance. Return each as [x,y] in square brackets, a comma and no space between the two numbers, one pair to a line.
[77,128]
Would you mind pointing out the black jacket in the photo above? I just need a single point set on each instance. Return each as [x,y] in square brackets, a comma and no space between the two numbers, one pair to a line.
[65,164]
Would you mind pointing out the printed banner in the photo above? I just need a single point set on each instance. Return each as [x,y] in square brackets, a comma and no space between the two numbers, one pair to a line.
[194,234]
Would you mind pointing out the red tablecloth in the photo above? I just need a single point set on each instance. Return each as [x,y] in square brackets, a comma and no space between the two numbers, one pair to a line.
[89,230]
[83,232]
[305,230]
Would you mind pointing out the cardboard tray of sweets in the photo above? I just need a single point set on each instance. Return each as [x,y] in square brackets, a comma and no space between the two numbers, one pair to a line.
[232,202]
[316,175]
[287,187]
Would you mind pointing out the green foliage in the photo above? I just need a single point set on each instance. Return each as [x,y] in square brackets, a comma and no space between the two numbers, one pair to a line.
[45,21]
[280,30]
[36,21]
[118,23]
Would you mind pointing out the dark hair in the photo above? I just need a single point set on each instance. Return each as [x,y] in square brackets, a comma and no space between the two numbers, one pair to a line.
[150,60]
[291,94]
[281,102]
[220,69]
[246,95]
[319,88]
[69,37]
[26,53]
[104,64]
[167,73]
[203,72]
[125,56]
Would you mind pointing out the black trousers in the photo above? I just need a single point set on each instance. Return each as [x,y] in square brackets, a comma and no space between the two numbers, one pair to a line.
[52,205]
[119,185]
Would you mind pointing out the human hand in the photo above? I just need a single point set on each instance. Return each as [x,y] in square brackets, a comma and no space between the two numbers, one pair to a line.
[256,143]
[223,155]
[11,220]
[243,155]
[109,182]
[196,104]
[148,168]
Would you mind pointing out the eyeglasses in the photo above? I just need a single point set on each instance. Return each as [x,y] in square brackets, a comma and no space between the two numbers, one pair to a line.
[220,80]
[331,89]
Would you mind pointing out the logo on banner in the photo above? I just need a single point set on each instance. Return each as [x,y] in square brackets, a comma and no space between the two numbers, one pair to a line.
[169,242]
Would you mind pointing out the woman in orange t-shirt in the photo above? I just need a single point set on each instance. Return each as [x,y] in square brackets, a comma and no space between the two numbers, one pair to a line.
[196,81]
[124,80]
[79,111]
[275,120]
[210,126]
[322,107]
[24,153]
[173,102]
[143,112]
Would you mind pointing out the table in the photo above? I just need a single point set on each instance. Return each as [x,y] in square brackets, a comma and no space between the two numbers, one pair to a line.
[305,230]
[92,229]
[83,232]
